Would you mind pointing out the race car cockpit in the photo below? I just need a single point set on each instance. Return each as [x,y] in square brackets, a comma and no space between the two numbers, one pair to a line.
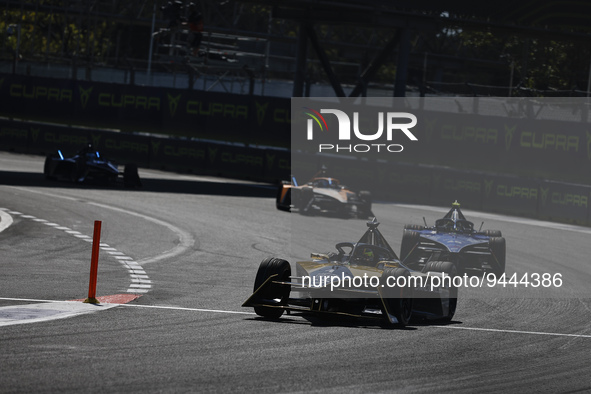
[451,225]
[88,152]
[454,221]
[326,183]
[370,255]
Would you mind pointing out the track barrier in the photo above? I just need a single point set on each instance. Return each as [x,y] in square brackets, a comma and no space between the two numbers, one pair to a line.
[401,182]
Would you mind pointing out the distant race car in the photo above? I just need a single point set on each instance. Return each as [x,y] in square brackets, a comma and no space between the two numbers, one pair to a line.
[454,239]
[378,286]
[323,194]
[89,165]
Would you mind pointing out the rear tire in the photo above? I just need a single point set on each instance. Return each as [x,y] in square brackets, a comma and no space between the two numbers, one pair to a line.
[398,300]
[365,207]
[274,293]
[47,167]
[415,227]
[498,249]
[410,239]
[131,177]
[450,269]
[492,233]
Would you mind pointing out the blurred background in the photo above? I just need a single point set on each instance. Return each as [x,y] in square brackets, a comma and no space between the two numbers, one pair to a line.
[205,86]
[300,48]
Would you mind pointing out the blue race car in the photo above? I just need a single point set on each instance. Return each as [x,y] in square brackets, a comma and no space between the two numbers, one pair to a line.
[454,239]
[89,166]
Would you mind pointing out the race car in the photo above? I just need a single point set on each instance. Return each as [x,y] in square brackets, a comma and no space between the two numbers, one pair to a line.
[89,166]
[454,239]
[323,194]
[361,279]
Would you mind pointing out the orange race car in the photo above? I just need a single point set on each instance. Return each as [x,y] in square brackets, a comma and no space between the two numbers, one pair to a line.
[323,194]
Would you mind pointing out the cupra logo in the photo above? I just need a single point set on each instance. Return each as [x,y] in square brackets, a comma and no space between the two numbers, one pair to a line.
[84,95]
[173,103]
[344,133]
[261,111]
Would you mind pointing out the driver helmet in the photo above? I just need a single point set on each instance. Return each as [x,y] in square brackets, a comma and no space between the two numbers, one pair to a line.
[368,254]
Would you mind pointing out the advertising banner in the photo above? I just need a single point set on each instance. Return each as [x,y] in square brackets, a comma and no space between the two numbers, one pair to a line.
[189,113]
[564,202]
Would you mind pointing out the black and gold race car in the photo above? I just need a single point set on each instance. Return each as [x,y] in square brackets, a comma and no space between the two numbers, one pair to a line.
[361,279]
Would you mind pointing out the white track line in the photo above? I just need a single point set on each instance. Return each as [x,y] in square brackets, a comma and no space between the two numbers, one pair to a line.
[36,313]
[176,308]
[5,220]
[186,240]
[514,331]
[133,268]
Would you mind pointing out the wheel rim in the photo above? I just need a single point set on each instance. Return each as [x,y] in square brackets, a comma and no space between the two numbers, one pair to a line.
[405,309]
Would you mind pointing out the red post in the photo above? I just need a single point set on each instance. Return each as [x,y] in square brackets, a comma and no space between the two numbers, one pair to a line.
[96,241]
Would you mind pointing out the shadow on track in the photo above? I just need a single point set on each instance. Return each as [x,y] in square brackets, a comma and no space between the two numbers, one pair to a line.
[230,188]
[312,320]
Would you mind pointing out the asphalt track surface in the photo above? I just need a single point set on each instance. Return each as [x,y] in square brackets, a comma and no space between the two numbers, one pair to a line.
[199,241]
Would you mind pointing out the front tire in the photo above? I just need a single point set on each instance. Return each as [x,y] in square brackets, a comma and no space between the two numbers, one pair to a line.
[397,300]
[273,293]
[283,204]
[306,200]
